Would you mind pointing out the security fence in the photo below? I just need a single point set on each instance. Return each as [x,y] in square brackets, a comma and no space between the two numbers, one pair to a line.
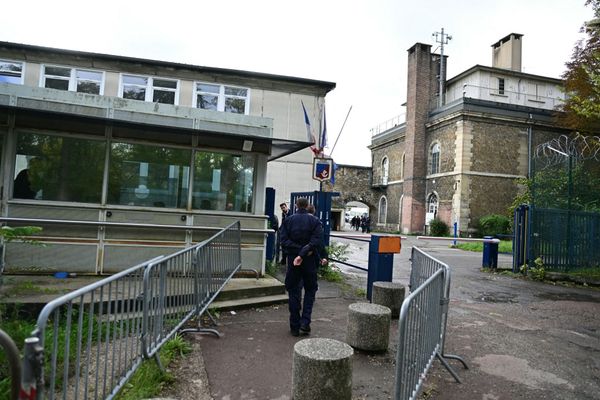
[422,325]
[88,343]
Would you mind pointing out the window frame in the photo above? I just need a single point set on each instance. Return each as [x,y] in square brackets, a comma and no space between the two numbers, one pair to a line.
[383,211]
[149,95]
[435,158]
[433,205]
[222,96]
[23,64]
[501,85]
[385,170]
[72,80]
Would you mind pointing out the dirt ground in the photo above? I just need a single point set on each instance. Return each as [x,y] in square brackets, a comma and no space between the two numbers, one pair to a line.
[520,339]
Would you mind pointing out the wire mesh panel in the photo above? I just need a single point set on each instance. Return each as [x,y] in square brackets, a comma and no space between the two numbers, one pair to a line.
[90,338]
[183,285]
[419,335]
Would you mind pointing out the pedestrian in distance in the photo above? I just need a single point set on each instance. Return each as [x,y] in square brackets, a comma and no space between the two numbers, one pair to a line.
[301,238]
[285,211]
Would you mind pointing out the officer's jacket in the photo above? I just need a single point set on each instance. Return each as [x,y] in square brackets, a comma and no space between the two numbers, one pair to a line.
[301,234]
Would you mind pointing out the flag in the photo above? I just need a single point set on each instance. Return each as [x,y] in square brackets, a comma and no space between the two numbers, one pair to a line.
[335,167]
[309,135]
[323,143]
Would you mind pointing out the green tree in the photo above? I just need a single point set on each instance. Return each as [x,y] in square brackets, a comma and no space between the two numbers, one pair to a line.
[581,110]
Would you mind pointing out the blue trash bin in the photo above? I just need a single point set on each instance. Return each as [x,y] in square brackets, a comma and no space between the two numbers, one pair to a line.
[490,254]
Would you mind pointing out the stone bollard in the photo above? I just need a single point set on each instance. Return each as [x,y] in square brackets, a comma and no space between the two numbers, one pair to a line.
[368,326]
[322,369]
[389,294]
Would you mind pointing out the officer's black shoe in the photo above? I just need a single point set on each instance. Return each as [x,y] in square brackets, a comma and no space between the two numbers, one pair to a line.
[295,332]
[305,330]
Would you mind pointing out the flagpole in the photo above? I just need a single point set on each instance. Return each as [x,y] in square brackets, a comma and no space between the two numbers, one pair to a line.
[340,134]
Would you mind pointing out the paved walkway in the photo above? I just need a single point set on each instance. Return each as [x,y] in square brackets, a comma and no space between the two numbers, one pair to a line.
[522,339]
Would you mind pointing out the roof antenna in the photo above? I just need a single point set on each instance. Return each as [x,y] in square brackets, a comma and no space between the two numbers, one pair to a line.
[442,39]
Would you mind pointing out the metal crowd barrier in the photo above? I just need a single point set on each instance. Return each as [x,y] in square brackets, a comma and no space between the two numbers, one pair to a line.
[88,343]
[422,324]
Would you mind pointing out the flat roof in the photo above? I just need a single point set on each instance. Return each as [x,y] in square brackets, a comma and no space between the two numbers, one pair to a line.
[328,86]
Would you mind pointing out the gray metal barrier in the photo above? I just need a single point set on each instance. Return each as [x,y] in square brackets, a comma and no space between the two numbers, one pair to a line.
[88,343]
[422,324]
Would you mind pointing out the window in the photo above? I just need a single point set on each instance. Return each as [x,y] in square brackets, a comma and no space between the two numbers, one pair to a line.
[43,171]
[435,158]
[402,166]
[155,90]
[432,204]
[382,210]
[72,79]
[209,96]
[223,181]
[152,176]
[385,168]
[500,85]
[11,72]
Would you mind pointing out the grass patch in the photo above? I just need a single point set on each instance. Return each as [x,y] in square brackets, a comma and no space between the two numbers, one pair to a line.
[28,288]
[503,246]
[148,381]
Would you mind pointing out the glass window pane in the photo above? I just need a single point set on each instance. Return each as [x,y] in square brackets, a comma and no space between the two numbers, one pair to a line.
[237,106]
[89,75]
[206,88]
[164,83]
[143,175]
[9,78]
[10,72]
[135,80]
[88,87]
[223,182]
[58,71]
[60,84]
[134,93]
[161,96]
[236,91]
[207,102]
[58,168]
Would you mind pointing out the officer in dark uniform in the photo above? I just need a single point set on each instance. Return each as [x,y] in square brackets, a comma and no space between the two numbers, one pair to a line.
[301,237]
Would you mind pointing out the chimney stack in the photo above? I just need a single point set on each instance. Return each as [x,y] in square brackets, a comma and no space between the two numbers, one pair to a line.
[506,53]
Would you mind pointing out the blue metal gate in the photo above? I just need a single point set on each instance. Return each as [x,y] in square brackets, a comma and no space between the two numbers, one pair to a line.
[322,203]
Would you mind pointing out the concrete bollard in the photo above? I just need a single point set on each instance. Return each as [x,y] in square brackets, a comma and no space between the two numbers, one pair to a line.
[322,369]
[389,294]
[368,326]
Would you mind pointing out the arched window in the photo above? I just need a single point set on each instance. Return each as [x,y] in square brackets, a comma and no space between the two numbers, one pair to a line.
[385,169]
[402,166]
[432,204]
[382,210]
[434,157]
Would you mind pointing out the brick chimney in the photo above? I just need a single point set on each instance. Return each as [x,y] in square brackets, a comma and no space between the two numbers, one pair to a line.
[421,68]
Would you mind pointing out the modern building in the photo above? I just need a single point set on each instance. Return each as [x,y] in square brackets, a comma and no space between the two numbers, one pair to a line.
[121,159]
[460,161]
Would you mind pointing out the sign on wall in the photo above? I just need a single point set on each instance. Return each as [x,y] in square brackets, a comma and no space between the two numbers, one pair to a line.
[322,169]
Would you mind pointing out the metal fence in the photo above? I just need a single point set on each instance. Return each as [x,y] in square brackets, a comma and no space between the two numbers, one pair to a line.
[565,240]
[422,325]
[88,343]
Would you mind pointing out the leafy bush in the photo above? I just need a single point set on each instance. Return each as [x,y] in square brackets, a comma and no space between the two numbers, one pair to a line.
[330,271]
[493,224]
[537,272]
[438,227]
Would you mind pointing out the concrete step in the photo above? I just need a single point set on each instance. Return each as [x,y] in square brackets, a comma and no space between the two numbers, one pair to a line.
[244,288]
[244,303]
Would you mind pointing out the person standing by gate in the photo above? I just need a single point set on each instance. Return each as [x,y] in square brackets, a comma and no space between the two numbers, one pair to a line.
[301,237]
[285,211]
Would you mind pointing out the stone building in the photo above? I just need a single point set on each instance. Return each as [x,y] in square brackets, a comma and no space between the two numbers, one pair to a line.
[122,159]
[460,161]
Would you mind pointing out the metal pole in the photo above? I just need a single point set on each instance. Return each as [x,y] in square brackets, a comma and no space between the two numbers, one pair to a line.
[443,39]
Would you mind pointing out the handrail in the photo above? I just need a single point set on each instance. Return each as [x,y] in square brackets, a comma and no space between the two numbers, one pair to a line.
[12,355]
[126,224]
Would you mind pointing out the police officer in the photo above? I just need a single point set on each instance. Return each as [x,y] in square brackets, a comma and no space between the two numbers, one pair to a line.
[301,237]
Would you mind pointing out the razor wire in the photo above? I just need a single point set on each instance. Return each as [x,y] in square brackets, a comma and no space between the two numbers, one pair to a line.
[578,148]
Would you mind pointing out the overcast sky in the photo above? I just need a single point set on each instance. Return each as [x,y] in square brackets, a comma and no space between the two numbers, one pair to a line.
[359,45]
